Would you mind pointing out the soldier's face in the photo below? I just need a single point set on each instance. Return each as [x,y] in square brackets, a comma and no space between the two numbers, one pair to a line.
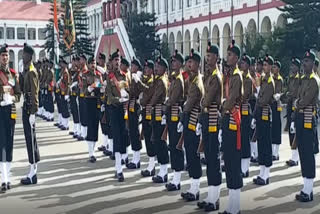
[101,62]
[123,67]
[116,63]
[259,67]
[175,64]
[192,65]
[82,61]
[148,71]
[244,66]
[159,69]
[211,59]
[266,67]
[275,69]
[308,65]
[93,65]
[4,58]
[109,66]
[134,68]
[26,58]
[293,68]
[232,58]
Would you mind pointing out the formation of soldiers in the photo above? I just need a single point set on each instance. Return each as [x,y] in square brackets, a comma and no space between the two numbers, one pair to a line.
[231,112]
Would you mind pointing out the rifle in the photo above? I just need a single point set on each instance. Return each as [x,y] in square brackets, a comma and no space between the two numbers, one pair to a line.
[141,135]
[294,143]
[164,135]
[180,143]
[200,147]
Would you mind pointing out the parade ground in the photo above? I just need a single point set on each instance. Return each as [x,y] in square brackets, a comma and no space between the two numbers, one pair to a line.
[68,183]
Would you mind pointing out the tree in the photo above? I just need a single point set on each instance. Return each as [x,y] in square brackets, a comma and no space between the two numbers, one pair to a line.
[142,34]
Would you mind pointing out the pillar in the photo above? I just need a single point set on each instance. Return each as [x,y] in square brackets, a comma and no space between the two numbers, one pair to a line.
[108,11]
[104,15]
[118,8]
[113,9]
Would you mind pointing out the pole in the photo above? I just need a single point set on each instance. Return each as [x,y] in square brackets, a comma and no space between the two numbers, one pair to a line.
[182,24]
[167,8]
[209,21]
[232,19]
[258,30]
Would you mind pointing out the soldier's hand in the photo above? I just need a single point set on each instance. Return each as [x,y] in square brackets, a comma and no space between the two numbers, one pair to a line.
[90,89]
[198,129]
[220,136]
[122,100]
[253,123]
[32,119]
[292,128]
[103,108]
[180,127]
[164,120]
[66,97]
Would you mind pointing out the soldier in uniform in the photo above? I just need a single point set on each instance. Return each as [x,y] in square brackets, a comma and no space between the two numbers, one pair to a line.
[158,119]
[293,87]
[40,69]
[262,122]
[133,113]
[276,111]
[246,115]
[230,134]
[117,95]
[30,107]
[81,98]
[57,96]
[147,117]
[211,103]
[174,105]
[304,125]
[9,94]
[64,90]
[49,106]
[74,93]
[188,123]
[92,83]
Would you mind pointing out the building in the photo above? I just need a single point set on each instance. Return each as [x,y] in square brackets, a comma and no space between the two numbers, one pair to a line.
[23,22]
[187,24]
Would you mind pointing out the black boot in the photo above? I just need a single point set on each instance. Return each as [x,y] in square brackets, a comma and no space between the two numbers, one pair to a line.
[292,163]
[212,207]
[172,187]
[261,182]
[159,180]
[190,197]
[132,165]
[303,197]
[3,187]
[28,181]
[147,173]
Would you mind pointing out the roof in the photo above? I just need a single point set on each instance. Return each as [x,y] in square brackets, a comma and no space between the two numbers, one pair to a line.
[24,10]
[93,2]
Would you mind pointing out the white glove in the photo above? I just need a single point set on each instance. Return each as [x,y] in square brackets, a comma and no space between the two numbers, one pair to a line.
[198,129]
[180,127]
[164,120]
[124,93]
[103,108]
[135,77]
[102,89]
[105,83]
[258,89]
[32,119]
[45,92]
[253,123]
[123,100]
[66,97]
[220,136]
[3,103]
[74,84]
[277,97]
[8,99]
[90,89]
[292,128]
[139,74]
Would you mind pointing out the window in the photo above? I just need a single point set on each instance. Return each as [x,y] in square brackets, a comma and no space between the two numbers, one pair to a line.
[41,33]
[31,34]
[180,4]
[189,3]
[158,7]
[10,33]
[197,2]
[173,6]
[1,32]
[21,32]
[165,6]
[152,6]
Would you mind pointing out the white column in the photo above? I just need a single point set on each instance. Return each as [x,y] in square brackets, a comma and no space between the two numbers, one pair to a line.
[16,62]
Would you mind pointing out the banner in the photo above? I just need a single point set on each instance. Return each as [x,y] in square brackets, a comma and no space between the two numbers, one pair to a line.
[69,32]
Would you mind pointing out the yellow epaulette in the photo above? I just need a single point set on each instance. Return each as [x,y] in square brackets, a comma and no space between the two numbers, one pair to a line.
[270,80]
[297,76]
[302,77]
[215,72]
[280,77]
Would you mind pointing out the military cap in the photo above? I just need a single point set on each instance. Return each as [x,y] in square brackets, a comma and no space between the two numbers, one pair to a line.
[149,64]
[296,61]
[310,54]
[91,59]
[278,64]
[115,54]
[214,49]
[178,56]
[233,47]
[195,55]
[102,56]
[83,56]
[136,62]
[163,62]
[269,59]
[4,49]
[246,59]
[28,49]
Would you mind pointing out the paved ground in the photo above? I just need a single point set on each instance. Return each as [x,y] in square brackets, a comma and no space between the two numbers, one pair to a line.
[69,184]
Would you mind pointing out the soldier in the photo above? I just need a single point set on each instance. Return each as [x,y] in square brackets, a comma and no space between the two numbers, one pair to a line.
[262,122]
[74,93]
[187,124]
[81,98]
[211,103]
[9,95]
[117,95]
[303,125]
[30,107]
[133,113]
[158,119]
[49,106]
[276,111]
[174,105]
[40,70]
[293,87]
[246,115]
[147,117]
[64,90]
[57,96]
[92,83]
[230,135]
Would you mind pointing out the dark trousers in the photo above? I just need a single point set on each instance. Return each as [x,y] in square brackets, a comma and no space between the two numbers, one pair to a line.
[30,137]
[58,101]
[211,152]
[306,146]
[93,120]
[276,125]
[289,120]
[64,107]
[263,128]
[160,146]
[105,122]
[134,130]
[83,111]
[232,156]
[191,144]
[245,136]
[74,109]
[176,155]
[48,105]
[40,97]
[147,132]
[118,127]
[7,125]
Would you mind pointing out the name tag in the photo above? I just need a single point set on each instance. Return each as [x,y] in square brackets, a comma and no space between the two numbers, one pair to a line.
[174,118]
[279,109]
[245,112]
[212,129]
[233,127]
[191,127]
[13,116]
[131,109]
[266,118]
[82,95]
[308,125]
